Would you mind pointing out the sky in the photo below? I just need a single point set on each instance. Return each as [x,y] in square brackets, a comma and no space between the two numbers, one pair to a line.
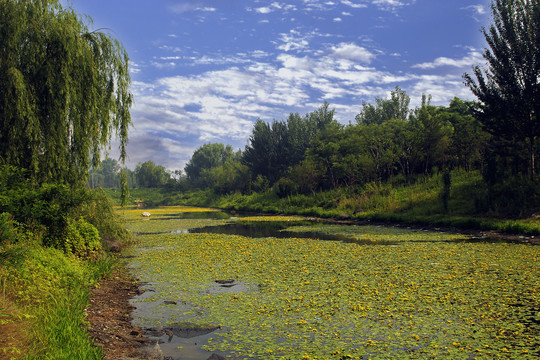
[203,71]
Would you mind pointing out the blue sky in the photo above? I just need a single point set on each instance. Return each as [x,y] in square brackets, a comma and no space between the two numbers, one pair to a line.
[206,70]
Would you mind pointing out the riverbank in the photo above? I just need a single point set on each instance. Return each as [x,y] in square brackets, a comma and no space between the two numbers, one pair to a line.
[109,317]
[418,204]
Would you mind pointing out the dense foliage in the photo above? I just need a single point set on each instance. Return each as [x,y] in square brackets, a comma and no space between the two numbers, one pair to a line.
[65,91]
[387,143]
[508,90]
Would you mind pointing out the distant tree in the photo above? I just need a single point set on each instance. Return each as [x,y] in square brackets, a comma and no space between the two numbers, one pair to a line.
[468,140]
[322,117]
[107,175]
[265,153]
[64,91]
[397,107]
[508,90]
[434,132]
[233,176]
[274,148]
[151,175]
[207,157]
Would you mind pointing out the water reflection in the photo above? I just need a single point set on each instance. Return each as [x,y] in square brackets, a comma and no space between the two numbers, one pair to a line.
[262,229]
[215,215]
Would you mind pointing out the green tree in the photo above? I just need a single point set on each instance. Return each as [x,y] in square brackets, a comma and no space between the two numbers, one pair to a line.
[107,175]
[207,157]
[468,140]
[64,91]
[435,132]
[275,148]
[508,90]
[397,107]
[149,174]
[233,176]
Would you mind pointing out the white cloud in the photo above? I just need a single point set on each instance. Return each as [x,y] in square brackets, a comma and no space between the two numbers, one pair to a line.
[353,5]
[174,115]
[353,52]
[134,68]
[391,5]
[440,88]
[337,19]
[189,7]
[263,10]
[274,6]
[477,11]
[388,3]
[294,40]
[474,57]
[163,65]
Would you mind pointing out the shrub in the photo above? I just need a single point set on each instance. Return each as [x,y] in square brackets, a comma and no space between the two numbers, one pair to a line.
[98,210]
[8,229]
[515,196]
[82,240]
[284,187]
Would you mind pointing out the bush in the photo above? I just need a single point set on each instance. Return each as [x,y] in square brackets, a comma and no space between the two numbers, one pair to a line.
[284,187]
[98,210]
[82,240]
[8,229]
[515,196]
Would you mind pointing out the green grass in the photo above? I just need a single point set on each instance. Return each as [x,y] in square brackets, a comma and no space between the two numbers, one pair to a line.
[418,203]
[51,292]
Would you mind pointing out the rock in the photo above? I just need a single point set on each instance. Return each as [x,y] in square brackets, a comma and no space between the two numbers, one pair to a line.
[228,281]
[215,357]
[154,352]
[146,214]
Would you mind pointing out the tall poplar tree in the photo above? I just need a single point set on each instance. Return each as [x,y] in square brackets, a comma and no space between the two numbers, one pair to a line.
[64,91]
[508,90]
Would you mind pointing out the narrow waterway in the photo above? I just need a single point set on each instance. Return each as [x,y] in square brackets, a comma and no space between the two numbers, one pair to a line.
[244,287]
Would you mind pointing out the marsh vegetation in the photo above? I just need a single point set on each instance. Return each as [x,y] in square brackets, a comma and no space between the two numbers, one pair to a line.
[385,293]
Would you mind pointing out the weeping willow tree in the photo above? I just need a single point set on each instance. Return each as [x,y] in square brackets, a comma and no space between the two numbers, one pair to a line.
[64,91]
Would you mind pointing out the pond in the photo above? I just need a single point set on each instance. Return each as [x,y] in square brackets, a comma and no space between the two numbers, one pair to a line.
[275,287]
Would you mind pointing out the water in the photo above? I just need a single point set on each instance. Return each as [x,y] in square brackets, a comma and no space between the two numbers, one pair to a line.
[261,229]
[402,274]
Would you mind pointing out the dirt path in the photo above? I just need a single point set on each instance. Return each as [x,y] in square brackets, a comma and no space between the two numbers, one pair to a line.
[109,315]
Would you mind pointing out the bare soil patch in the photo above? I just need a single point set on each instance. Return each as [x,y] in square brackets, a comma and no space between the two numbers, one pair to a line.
[14,330]
[109,317]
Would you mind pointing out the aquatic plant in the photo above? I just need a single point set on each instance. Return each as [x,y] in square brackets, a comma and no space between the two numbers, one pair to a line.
[427,295]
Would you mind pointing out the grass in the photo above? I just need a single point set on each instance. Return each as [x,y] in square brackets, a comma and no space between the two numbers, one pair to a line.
[414,294]
[42,305]
[418,203]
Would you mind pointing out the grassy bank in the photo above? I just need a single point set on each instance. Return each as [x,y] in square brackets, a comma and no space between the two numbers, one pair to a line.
[418,203]
[44,294]
[47,270]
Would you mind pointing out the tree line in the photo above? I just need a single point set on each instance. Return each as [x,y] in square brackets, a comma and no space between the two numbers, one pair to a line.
[388,142]
[66,91]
